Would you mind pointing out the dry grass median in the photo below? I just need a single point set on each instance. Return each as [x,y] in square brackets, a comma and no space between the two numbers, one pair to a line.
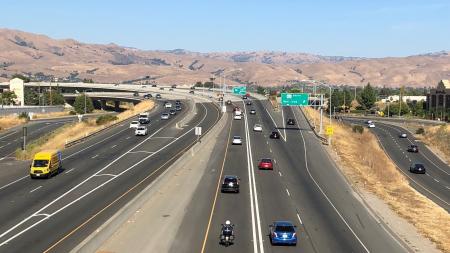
[58,138]
[438,137]
[9,121]
[369,168]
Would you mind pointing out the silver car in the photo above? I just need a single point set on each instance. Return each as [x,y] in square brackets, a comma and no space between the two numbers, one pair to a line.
[165,116]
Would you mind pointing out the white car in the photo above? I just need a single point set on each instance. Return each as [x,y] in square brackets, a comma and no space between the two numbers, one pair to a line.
[257,128]
[237,140]
[141,130]
[369,122]
[371,125]
[403,135]
[238,117]
[168,105]
[134,124]
[165,116]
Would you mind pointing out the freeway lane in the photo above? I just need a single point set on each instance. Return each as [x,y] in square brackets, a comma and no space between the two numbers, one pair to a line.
[435,184]
[304,188]
[11,140]
[96,182]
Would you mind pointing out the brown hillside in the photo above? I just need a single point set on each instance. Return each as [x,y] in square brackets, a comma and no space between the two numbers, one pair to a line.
[27,53]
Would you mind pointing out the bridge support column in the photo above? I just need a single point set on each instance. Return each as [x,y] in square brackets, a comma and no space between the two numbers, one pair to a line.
[117,105]
[103,104]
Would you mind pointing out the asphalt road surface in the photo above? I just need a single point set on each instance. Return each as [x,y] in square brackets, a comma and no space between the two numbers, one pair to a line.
[11,140]
[435,184]
[304,188]
[99,176]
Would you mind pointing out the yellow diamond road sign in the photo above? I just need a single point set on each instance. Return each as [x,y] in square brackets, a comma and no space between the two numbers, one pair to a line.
[329,130]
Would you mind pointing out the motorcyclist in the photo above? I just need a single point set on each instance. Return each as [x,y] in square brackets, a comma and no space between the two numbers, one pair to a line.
[227,231]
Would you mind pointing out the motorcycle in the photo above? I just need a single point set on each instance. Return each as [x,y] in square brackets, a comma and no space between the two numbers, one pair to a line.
[227,235]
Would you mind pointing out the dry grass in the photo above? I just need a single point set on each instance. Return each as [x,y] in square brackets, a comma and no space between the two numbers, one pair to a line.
[361,159]
[50,115]
[438,137]
[10,121]
[57,139]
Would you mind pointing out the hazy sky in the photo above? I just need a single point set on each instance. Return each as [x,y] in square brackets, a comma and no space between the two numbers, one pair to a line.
[375,28]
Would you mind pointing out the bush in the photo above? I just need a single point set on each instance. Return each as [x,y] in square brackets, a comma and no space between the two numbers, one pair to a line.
[24,115]
[81,101]
[72,113]
[420,130]
[358,129]
[105,118]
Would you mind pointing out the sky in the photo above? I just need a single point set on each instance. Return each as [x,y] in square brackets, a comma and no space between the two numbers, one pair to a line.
[360,28]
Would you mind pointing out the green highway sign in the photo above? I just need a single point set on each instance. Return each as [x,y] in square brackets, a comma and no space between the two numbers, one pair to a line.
[242,90]
[294,99]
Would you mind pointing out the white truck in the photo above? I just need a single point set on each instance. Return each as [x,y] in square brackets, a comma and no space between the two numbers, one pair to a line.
[144,118]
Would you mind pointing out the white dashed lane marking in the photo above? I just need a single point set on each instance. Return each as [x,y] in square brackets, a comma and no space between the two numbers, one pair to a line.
[36,189]
[94,156]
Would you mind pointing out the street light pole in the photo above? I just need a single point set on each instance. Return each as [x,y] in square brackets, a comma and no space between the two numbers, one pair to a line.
[85,102]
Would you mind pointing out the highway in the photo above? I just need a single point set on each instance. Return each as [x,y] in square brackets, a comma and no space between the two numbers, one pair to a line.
[305,187]
[99,177]
[435,184]
[12,139]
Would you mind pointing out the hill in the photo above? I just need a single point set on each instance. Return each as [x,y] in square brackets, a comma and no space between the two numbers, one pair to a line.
[42,57]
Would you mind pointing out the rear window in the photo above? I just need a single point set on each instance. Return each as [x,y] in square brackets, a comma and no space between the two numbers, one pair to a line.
[266,160]
[134,122]
[230,180]
[40,163]
[286,229]
[419,165]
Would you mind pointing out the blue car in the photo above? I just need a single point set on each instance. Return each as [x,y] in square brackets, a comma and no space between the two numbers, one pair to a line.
[283,232]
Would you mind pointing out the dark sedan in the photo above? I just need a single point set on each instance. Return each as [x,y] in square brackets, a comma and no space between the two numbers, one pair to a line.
[230,184]
[291,122]
[275,135]
[417,168]
[413,148]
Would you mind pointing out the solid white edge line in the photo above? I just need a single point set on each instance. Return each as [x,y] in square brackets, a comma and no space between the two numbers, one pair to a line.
[284,124]
[276,126]
[13,182]
[325,195]
[252,207]
[299,219]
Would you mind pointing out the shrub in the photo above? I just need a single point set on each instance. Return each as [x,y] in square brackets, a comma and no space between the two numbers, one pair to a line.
[358,129]
[24,115]
[73,113]
[420,130]
[105,119]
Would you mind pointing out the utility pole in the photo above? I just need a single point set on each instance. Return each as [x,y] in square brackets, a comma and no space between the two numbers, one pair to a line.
[84,101]
[400,101]
[51,100]
[321,114]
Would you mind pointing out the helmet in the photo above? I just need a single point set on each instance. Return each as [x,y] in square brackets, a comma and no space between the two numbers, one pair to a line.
[227,222]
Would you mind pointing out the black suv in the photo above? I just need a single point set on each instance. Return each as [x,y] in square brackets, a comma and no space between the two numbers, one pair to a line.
[274,135]
[413,148]
[158,96]
[230,184]
[417,168]
[291,122]
[148,96]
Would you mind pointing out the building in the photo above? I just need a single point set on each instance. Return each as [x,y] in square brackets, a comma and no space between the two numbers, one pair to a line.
[438,101]
[16,85]
[406,99]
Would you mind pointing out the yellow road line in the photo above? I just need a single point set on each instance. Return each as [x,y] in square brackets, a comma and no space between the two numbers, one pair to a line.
[217,190]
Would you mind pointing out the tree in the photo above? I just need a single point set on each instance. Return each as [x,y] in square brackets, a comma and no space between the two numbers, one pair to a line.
[55,99]
[24,78]
[79,104]
[417,108]
[31,97]
[394,108]
[7,97]
[85,80]
[260,90]
[367,97]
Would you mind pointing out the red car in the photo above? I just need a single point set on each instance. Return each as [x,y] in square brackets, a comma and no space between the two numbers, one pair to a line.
[265,164]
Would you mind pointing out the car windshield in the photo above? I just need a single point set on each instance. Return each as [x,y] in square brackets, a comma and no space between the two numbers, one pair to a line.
[285,229]
[40,163]
[134,122]
[418,165]
[165,114]
[141,128]
[257,125]
[266,160]
[230,180]
[237,137]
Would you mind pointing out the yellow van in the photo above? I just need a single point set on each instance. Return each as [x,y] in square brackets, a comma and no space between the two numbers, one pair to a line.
[45,164]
